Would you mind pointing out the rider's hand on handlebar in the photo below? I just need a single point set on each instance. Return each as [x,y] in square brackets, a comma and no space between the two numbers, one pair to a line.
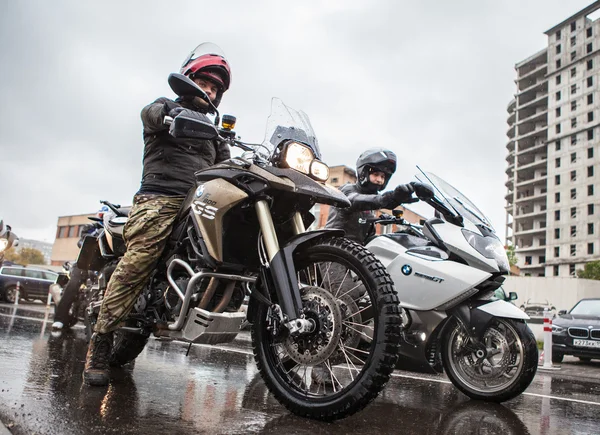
[403,193]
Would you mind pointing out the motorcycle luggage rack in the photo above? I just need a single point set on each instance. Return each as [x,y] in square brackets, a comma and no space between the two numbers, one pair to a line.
[187,296]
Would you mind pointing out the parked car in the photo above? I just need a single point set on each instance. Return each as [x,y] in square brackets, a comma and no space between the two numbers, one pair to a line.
[34,282]
[577,332]
[535,310]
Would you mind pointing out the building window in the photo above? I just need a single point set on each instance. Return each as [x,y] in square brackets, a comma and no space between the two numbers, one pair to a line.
[558,79]
[556,215]
[573,193]
[558,96]
[573,175]
[590,209]
[557,233]
[542,259]
[528,260]
[573,157]
[573,139]
[590,98]
[573,72]
[558,112]
[590,64]
[588,32]
[558,64]
[558,145]
[573,55]
[556,251]
[590,153]
[555,270]
[62,232]
[573,91]
[558,34]
[590,134]
[573,250]
[573,41]
[571,269]
[573,212]
[73,231]
[573,106]
[590,171]
[590,229]
[557,180]
[590,81]
[573,26]
[590,190]
[590,116]
[590,248]
[557,162]
[557,197]
[557,48]
[573,122]
[573,231]
[588,48]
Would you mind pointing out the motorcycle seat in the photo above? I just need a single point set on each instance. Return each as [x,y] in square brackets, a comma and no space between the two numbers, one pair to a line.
[115,226]
[408,240]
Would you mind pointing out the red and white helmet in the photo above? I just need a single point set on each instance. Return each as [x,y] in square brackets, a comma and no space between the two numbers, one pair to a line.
[208,61]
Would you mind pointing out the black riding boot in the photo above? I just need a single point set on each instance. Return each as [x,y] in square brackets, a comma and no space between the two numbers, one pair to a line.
[97,366]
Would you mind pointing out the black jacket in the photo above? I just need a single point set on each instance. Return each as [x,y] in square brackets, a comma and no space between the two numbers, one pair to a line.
[170,163]
[354,219]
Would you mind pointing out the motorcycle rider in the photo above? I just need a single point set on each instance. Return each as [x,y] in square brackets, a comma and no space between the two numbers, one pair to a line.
[168,174]
[374,169]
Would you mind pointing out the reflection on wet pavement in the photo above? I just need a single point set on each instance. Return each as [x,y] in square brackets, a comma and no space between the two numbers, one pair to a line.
[217,392]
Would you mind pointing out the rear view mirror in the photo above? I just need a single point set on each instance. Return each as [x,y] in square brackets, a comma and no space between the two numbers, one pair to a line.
[562,312]
[193,124]
[185,87]
[513,296]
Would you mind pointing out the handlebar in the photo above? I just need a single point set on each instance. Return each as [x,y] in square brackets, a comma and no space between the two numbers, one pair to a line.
[114,207]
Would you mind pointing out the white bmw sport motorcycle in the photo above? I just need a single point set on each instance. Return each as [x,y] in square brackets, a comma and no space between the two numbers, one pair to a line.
[446,273]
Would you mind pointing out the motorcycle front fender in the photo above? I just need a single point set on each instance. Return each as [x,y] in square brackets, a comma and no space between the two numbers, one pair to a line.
[281,273]
[503,309]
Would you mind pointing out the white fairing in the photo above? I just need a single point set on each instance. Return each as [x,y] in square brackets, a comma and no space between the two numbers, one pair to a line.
[455,241]
[503,309]
[444,280]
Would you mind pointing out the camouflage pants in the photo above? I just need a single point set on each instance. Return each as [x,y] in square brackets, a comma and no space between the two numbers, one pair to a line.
[146,234]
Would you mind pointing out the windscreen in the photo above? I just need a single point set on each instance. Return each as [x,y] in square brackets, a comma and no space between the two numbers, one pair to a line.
[285,123]
[454,199]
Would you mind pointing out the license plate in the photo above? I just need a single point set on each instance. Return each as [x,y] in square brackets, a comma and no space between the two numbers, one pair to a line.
[586,343]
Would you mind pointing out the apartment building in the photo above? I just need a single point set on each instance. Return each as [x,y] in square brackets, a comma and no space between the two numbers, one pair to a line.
[553,211]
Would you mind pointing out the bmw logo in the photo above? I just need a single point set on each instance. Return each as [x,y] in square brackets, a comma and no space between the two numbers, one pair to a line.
[406,269]
[199,191]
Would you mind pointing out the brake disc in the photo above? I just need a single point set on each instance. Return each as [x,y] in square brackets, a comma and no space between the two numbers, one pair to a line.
[315,347]
[483,368]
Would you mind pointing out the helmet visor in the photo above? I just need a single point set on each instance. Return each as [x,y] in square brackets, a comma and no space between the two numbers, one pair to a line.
[206,48]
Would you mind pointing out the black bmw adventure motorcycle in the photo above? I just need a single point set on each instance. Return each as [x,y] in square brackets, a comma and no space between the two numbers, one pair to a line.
[242,230]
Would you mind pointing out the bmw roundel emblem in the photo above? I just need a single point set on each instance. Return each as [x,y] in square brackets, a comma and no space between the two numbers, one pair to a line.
[406,269]
[199,191]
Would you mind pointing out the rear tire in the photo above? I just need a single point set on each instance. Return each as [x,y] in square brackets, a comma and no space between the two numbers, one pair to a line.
[286,368]
[10,294]
[495,379]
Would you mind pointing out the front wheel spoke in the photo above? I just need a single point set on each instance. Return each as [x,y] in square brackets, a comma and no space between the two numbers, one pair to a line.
[342,283]
[359,332]
[333,377]
[352,289]
[359,324]
[349,361]
[353,349]
[358,312]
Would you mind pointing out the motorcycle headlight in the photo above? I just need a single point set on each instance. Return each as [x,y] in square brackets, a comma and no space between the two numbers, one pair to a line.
[298,157]
[302,159]
[489,247]
[3,244]
[319,170]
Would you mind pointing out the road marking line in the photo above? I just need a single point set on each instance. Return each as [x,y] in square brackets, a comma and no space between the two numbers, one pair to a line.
[397,375]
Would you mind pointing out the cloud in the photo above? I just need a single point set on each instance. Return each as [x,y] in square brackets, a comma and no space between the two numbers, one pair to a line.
[430,80]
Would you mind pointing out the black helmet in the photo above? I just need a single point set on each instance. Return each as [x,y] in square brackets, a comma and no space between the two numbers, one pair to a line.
[375,160]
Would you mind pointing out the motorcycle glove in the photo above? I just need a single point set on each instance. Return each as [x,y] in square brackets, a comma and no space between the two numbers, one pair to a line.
[422,190]
[403,193]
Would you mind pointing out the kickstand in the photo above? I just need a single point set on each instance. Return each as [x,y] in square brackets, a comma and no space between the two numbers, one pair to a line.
[188,351]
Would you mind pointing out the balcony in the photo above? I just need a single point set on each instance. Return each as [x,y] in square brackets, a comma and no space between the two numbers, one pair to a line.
[540,196]
[535,117]
[535,132]
[510,145]
[511,106]
[533,85]
[537,164]
[511,132]
[540,147]
[531,248]
[537,100]
[511,118]
[530,231]
[527,216]
[533,181]
[539,68]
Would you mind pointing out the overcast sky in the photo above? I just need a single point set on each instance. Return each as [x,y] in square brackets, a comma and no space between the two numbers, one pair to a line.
[430,80]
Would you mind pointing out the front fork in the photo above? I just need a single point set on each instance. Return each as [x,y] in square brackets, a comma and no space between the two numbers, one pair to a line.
[281,272]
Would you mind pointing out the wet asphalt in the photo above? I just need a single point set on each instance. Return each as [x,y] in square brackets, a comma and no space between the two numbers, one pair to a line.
[217,390]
